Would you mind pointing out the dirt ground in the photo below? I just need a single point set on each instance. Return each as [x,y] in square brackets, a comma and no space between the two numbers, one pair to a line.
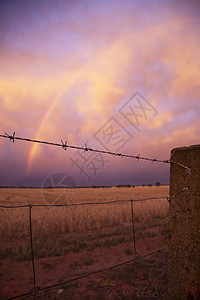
[118,283]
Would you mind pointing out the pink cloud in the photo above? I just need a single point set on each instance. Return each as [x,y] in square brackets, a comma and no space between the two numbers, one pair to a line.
[67,68]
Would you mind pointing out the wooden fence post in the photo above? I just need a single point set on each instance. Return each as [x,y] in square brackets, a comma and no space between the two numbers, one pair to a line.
[184,215]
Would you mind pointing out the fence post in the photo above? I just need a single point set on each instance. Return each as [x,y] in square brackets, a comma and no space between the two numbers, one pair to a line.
[184,214]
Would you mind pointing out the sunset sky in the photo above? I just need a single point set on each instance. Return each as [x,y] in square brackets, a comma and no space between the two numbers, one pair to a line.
[79,70]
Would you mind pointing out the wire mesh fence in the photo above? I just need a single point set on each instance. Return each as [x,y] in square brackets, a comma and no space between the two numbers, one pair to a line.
[134,259]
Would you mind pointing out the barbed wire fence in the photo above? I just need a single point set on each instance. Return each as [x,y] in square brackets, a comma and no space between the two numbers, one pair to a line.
[64,145]
[36,290]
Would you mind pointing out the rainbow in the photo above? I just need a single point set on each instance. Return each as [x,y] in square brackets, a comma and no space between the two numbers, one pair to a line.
[69,81]
[35,145]
[45,117]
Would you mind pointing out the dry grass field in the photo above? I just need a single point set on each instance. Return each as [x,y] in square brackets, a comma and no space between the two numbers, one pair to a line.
[74,240]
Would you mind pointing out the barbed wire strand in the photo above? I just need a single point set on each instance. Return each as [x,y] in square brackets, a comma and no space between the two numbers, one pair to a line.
[64,145]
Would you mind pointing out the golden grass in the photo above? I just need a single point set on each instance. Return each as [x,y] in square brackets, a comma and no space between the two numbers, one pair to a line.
[48,221]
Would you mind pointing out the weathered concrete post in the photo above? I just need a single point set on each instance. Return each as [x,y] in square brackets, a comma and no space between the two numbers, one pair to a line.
[184,212]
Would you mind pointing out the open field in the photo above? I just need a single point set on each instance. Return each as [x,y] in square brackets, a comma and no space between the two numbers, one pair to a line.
[76,240]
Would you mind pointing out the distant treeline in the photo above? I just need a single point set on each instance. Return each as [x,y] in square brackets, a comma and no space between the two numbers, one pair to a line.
[93,186]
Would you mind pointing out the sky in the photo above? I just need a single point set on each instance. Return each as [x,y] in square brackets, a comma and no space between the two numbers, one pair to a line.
[121,76]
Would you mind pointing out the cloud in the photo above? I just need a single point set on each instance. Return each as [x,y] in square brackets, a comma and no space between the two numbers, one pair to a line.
[66,68]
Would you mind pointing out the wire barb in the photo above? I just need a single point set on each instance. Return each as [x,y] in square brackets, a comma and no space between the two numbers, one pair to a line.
[118,154]
[138,157]
[86,148]
[11,137]
[64,145]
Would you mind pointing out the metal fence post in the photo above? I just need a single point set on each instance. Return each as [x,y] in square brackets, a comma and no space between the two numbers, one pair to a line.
[184,214]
